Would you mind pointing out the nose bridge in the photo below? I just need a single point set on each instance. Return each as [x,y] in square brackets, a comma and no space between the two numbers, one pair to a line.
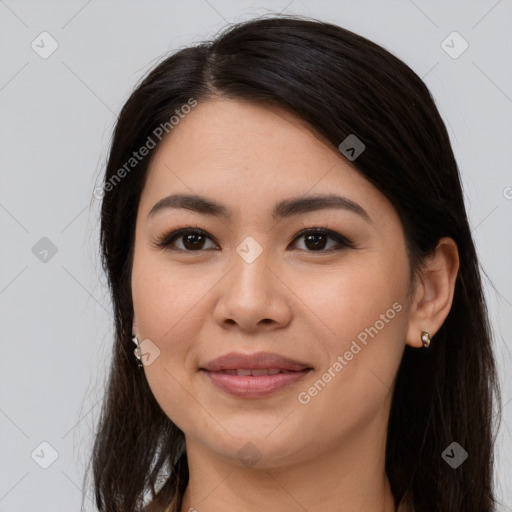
[250,276]
[251,295]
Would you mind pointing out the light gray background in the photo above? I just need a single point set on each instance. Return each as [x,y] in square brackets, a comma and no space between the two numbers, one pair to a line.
[56,119]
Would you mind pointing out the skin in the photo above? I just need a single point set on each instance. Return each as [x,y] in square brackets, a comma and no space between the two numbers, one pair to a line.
[310,305]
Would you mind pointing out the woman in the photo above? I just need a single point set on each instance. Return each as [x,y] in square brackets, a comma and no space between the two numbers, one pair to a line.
[286,243]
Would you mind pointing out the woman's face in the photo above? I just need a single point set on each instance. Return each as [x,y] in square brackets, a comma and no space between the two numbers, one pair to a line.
[250,282]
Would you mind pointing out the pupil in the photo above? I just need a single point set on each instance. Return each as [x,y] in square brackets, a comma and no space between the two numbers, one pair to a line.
[314,238]
[193,237]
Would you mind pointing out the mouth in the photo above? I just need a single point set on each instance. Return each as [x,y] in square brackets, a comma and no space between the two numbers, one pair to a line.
[254,375]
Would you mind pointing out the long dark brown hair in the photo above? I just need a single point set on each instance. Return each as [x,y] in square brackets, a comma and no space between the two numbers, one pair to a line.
[339,83]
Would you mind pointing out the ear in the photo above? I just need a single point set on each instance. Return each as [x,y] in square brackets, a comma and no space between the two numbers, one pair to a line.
[134,327]
[433,291]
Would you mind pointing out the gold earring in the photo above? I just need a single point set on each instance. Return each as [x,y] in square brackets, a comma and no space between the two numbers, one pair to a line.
[425,338]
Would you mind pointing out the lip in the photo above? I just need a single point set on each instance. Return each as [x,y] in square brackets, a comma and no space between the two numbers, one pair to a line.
[254,386]
[255,361]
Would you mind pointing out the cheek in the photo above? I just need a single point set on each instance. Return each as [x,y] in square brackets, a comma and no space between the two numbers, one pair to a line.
[164,300]
[362,324]
[169,307]
[349,299]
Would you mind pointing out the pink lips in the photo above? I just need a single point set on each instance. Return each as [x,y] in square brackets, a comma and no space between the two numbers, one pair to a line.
[254,375]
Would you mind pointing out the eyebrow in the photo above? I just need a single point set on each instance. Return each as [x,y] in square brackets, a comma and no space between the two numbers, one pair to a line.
[283,209]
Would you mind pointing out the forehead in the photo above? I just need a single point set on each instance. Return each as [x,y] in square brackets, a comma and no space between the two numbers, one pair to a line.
[244,153]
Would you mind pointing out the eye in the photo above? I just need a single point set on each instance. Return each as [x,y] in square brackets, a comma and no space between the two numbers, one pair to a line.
[194,240]
[315,240]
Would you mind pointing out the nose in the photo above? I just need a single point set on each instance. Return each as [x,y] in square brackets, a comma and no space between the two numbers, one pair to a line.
[253,297]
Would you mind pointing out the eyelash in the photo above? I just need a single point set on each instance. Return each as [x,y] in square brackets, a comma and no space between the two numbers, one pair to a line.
[166,241]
